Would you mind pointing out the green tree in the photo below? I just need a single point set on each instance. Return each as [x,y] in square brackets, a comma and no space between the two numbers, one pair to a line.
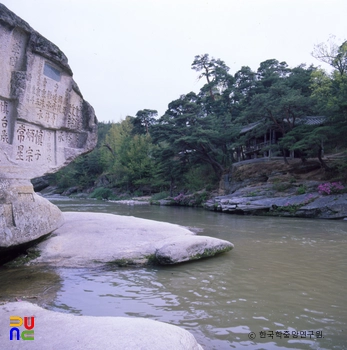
[280,102]
[84,170]
[144,119]
[214,70]
[333,54]
[330,95]
[169,170]
[194,136]
[244,87]
[308,141]
[269,72]
[130,156]
[139,161]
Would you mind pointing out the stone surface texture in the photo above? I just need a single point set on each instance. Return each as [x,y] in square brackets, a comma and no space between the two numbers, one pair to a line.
[55,330]
[187,248]
[91,239]
[44,124]
[309,205]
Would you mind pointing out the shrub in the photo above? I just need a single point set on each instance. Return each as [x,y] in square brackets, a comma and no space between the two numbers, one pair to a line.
[252,194]
[330,188]
[301,189]
[101,193]
[192,200]
[161,195]
[281,186]
[200,198]
[179,198]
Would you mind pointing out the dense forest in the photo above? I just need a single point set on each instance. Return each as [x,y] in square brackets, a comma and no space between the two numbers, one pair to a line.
[199,137]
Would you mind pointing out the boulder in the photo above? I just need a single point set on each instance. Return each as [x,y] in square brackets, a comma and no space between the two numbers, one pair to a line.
[55,330]
[94,239]
[176,250]
[44,124]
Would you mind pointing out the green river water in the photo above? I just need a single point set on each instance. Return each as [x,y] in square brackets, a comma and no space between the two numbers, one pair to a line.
[285,275]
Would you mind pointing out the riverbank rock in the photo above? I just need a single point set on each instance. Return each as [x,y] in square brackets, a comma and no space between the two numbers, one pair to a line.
[308,205]
[90,239]
[45,124]
[270,187]
[326,207]
[55,330]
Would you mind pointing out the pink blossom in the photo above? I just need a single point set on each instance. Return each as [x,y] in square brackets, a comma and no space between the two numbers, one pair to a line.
[328,188]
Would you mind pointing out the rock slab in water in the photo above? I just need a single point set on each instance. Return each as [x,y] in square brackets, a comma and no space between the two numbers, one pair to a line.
[44,124]
[90,239]
[187,248]
[55,330]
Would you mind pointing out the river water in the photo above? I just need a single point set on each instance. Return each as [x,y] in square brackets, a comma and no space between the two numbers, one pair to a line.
[285,275]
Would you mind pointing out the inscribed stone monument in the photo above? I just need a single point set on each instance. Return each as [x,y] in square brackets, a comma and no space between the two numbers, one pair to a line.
[44,124]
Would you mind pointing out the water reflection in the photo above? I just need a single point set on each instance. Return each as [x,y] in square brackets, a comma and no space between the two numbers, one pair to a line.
[32,284]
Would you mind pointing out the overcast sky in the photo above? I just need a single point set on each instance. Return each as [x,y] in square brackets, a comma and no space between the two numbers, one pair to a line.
[129,55]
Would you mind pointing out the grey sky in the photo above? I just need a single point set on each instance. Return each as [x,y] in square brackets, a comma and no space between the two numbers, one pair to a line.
[128,55]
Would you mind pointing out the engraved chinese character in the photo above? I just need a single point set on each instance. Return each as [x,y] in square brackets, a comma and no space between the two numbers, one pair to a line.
[20,149]
[30,134]
[61,136]
[4,107]
[60,104]
[4,122]
[47,117]
[38,102]
[21,131]
[54,116]
[39,137]
[29,155]
[13,61]
[4,136]
[48,104]
[37,154]
[71,121]
[40,114]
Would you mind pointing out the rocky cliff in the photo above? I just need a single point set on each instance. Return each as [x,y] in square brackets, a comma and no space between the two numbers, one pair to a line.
[44,124]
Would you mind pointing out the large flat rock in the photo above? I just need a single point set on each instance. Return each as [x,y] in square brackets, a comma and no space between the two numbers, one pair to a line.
[55,330]
[89,239]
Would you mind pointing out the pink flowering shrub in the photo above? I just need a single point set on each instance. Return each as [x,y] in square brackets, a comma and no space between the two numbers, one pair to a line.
[179,198]
[330,188]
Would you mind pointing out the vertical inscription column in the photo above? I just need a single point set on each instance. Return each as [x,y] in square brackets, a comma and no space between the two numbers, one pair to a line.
[4,122]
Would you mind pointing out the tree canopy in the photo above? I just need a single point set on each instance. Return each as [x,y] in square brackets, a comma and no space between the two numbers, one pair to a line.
[197,139]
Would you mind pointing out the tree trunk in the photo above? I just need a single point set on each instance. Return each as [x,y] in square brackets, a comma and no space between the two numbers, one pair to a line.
[209,83]
[321,161]
[284,156]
